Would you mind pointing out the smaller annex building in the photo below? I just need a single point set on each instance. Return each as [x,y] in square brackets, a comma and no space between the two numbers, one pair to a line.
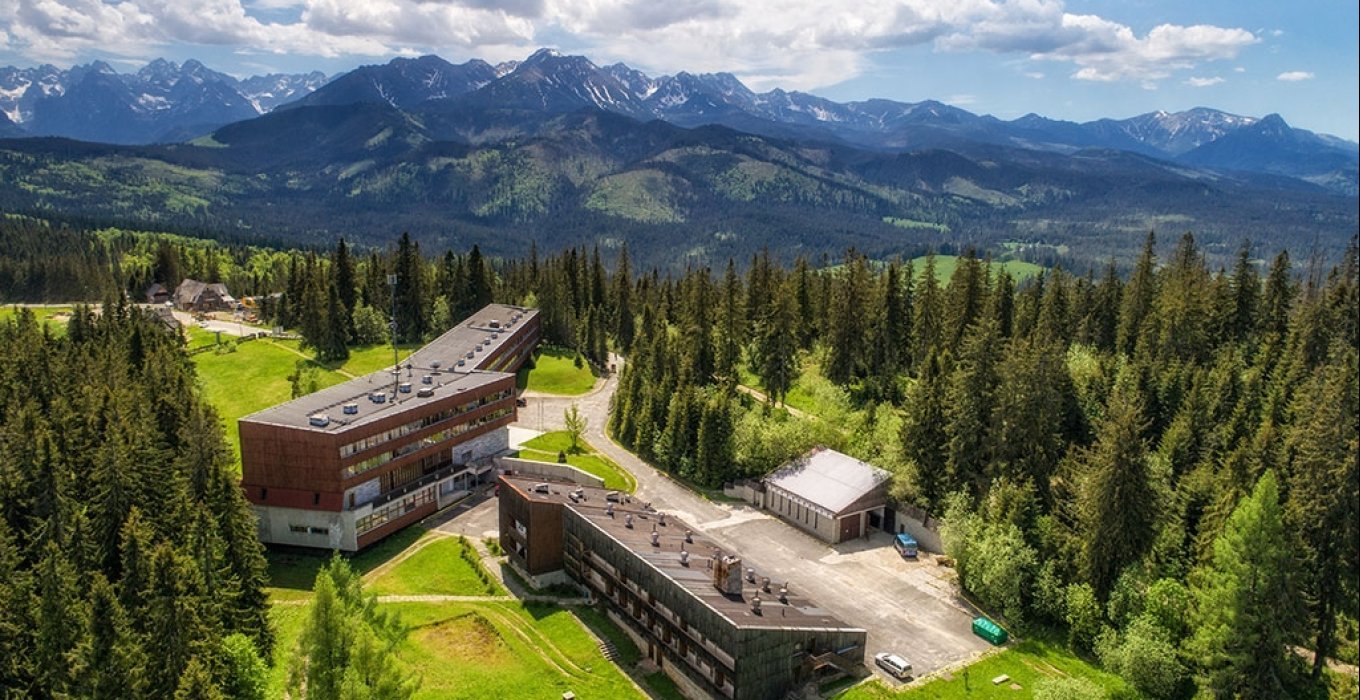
[831,495]
[716,627]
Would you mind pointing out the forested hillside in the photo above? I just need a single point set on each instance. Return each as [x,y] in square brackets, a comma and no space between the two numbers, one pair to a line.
[129,566]
[1160,466]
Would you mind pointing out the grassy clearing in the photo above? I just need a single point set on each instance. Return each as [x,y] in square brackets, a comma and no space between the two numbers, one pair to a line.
[437,568]
[292,573]
[555,372]
[945,265]
[487,650]
[54,317]
[252,378]
[914,224]
[545,447]
[1027,663]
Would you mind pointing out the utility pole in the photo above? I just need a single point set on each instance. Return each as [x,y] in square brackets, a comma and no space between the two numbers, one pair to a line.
[392,325]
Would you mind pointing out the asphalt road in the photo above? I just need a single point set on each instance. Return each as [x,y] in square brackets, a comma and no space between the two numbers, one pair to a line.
[908,607]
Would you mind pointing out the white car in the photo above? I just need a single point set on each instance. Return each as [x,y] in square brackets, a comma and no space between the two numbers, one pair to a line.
[896,666]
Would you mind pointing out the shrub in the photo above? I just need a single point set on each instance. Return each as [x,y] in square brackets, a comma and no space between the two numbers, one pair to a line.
[1145,656]
[1084,615]
[1069,688]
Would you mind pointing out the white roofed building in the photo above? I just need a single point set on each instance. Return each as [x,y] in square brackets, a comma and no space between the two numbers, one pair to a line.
[831,495]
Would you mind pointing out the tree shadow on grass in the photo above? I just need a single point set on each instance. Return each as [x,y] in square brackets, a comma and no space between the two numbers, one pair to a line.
[294,568]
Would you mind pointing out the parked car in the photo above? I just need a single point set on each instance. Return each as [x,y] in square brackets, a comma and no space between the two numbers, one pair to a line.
[895,665]
[905,545]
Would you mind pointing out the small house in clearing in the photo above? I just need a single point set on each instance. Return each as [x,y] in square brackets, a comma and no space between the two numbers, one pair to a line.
[831,495]
[192,295]
[157,294]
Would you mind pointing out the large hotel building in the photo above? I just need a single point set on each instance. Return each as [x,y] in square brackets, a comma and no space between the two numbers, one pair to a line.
[350,464]
[717,629]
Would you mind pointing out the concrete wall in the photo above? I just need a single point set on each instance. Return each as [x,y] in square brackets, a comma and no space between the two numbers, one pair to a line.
[275,526]
[481,447]
[911,521]
[547,470]
[816,523]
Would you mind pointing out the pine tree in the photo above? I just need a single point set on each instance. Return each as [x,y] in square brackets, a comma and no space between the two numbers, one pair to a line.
[847,323]
[927,325]
[1324,486]
[411,321]
[967,293]
[196,683]
[1031,420]
[335,335]
[1137,300]
[714,454]
[1246,609]
[624,329]
[731,326]
[1246,297]
[924,436]
[60,620]
[1117,495]
[479,280]
[108,663]
[968,406]
[775,354]
[346,283]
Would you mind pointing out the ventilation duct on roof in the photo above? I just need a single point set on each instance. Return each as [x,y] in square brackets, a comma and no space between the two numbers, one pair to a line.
[425,392]
[378,397]
[319,420]
[404,387]
[351,409]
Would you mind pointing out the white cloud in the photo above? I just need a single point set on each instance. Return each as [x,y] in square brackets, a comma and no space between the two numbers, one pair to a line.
[1034,75]
[1294,76]
[799,44]
[1196,81]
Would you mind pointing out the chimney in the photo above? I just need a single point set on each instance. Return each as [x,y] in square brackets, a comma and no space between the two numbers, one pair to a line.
[684,558]
[755,604]
[656,538]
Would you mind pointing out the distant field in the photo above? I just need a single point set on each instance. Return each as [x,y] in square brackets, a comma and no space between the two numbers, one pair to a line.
[55,317]
[545,447]
[945,265]
[1027,663]
[555,372]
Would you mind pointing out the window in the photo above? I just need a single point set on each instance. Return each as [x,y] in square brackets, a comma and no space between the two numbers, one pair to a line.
[318,531]
[372,441]
[428,441]
[395,509]
[316,499]
[264,494]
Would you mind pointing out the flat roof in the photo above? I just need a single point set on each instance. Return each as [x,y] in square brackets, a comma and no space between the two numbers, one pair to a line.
[697,577]
[828,478]
[437,360]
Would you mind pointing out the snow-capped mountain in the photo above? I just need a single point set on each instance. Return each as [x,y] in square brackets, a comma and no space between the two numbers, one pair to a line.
[163,101]
[402,83]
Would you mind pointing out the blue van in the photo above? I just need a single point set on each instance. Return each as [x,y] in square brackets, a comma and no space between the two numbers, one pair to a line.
[905,545]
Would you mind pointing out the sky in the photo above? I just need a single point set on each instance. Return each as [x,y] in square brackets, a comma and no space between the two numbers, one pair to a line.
[1064,59]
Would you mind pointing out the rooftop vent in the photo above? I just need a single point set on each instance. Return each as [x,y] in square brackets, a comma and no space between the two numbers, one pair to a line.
[378,397]
[612,496]
[487,342]
[476,349]
[628,521]
[436,364]
[755,604]
[427,379]
[462,362]
[663,519]
[684,558]
[351,409]
[319,420]
[689,536]
[765,583]
[425,392]
[609,509]
[750,575]
[404,387]
[541,488]
[656,538]
[468,355]
[784,593]
[494,323]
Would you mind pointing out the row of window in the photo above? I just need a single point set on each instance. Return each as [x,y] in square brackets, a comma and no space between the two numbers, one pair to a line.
[371,441]
[427,441]
[395,509]
[305,530]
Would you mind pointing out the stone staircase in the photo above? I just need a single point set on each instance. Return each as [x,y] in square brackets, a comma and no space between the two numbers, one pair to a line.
[609,651]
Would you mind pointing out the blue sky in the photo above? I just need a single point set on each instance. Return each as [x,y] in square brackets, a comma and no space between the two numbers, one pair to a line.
[1066,59]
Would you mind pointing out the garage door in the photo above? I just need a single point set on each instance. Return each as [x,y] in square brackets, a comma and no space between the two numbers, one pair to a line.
[849,528]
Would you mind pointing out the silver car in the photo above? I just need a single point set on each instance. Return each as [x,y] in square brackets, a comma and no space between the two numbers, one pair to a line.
[896,666]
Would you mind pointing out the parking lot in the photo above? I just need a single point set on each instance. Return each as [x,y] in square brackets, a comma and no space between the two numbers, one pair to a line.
[908,607]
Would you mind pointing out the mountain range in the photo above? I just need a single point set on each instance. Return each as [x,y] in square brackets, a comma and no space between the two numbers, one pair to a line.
[166,102]
[162,102]
[685,168]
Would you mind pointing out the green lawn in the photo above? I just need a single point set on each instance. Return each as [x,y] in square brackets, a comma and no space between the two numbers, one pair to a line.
[545,447]
[946,264]
[292,573]
[53,316]
[555,372]
[437,568]
[1027,663]
[371,358]
[252,378]
[505,650]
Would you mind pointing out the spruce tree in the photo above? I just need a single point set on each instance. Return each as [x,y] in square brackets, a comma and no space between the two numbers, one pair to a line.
[713,456]
[1117,496]
[346,283]
[624,323]
[1246,609]
[924,435]
[109,662]
[1138,295]
[847,323]
[969,399]
[775,353]
[927,325]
